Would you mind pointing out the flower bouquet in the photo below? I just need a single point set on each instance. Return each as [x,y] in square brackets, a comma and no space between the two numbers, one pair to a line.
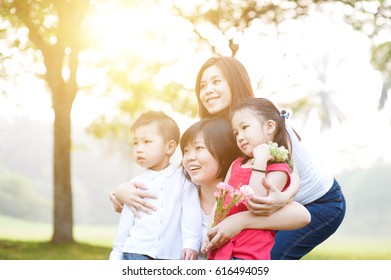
[243,194]
[279,154]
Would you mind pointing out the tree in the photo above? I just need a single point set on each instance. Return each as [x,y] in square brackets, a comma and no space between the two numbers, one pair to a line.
[374,19]
[55,30]
[230,19]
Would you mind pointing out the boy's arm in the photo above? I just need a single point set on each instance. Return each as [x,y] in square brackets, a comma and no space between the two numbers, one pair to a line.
[126,222]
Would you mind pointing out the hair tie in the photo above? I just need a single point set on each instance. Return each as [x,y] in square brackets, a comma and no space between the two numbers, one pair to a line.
[284,113]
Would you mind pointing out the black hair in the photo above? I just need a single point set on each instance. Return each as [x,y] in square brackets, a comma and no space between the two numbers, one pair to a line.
[219,140]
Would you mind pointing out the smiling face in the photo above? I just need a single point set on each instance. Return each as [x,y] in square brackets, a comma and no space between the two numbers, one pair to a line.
[149,149]
[200,164]
[250,130]
[215,93]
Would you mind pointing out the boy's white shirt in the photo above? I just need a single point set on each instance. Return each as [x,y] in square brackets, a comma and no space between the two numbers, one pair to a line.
[175,225]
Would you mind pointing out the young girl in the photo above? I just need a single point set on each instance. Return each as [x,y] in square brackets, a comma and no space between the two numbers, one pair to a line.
[208,148]
[255,122]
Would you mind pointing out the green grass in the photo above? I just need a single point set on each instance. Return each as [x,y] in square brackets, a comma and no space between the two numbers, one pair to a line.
[352,248]
[22,240]
[31,250]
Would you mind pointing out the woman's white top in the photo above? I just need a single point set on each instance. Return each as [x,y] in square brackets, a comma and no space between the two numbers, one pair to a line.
[314,182]
[205,224]
[205,227]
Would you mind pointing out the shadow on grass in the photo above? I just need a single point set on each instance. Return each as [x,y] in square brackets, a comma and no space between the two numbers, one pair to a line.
[25,250]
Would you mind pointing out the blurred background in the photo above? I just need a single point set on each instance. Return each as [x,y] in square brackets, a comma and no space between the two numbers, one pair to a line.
[74,74]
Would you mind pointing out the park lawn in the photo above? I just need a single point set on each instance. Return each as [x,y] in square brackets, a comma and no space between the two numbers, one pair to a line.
[32,250]
[352,248]
[23,240]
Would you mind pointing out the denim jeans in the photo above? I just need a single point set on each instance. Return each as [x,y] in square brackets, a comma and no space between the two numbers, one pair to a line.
[327,214]
[135,257]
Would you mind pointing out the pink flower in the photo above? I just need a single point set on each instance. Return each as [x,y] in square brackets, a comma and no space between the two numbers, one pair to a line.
[225,187]
[241,194]
[246,192]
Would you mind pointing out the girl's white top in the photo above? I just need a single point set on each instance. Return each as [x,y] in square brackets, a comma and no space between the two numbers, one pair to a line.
[314,182]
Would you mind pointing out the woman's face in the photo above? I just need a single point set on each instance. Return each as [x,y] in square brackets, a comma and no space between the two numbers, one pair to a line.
[199,163]
[215,94]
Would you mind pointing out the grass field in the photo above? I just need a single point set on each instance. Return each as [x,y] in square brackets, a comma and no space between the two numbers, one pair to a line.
[21,240]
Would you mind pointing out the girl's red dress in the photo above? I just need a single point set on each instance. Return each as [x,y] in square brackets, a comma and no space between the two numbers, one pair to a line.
[249,244]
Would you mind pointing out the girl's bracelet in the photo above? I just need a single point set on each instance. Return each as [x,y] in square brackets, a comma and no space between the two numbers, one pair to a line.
[258,170]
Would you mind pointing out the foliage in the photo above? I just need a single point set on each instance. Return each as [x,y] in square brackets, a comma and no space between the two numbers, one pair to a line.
[381,60]
[367,197]
[230,19]
[374,18]
[19,198]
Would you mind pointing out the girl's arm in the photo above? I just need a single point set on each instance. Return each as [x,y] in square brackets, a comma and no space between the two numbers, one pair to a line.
[132,194]
[275,199]
[290,217]
[272,183]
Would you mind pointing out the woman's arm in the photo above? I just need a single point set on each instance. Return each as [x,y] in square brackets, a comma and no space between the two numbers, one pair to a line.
[292,216]
[132,194]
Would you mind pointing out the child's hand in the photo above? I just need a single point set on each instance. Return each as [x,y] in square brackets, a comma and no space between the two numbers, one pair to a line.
[262,152]
[189,254]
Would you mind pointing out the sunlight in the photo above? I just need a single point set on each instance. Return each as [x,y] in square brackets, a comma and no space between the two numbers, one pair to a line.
[143,31]
[281,67]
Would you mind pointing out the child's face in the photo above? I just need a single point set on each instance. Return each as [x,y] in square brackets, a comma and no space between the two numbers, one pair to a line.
[199,163]
[215,94]
[249,130]
[149,148]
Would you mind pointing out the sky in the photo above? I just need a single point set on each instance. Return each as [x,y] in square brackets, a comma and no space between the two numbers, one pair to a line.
[282,62]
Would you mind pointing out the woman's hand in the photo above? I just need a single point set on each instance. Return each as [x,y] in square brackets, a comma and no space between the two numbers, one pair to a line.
[222,233]
[204,246]
[132,194]
[116,203]
[267,205]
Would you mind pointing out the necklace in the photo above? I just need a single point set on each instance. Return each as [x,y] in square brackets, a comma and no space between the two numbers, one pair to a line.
[251,161]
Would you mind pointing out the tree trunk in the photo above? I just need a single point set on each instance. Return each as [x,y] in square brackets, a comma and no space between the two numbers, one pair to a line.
[63,213]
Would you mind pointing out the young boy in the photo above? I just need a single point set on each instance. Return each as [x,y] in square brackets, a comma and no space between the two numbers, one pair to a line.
[173,231]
